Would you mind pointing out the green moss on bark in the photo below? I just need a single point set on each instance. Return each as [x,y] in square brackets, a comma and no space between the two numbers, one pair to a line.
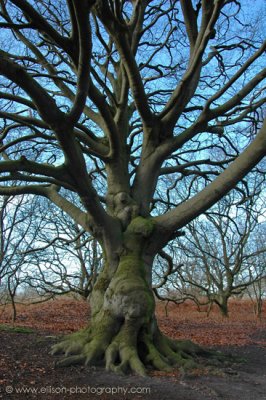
[141,226]
[123,333]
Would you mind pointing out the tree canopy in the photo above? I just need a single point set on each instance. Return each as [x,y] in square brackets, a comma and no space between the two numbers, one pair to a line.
[116,97]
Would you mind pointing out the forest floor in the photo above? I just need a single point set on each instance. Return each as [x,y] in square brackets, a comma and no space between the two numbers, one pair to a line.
[27,367]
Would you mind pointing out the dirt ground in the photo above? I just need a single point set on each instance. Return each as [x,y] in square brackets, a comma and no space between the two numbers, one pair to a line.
[27,368]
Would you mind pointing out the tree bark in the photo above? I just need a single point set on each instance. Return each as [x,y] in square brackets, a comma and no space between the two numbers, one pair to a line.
[223,306]
[123,332]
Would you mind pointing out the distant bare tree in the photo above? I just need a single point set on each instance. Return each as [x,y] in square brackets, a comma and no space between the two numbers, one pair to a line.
[43,249]
[257,290]
[64,258]
[220,253]
[15,225]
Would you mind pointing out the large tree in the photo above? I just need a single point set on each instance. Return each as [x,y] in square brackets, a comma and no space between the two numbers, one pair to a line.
[150,112]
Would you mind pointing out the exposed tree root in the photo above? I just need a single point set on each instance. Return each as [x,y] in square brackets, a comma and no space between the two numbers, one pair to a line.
[131,349]
[124,335]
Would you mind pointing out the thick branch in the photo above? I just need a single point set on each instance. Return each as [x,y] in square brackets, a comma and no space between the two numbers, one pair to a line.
[41,23]
[122,38]
[187,211]
[85,46]
[190,17]
[186,89]
[237,75]
[235,100]
[45,104]
[32,167]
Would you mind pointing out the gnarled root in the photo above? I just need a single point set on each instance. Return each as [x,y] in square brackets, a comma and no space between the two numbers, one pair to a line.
[87,346]
[129,346]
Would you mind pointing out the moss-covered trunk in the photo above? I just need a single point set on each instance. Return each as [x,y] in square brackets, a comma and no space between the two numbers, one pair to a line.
[123,333]
[223,306]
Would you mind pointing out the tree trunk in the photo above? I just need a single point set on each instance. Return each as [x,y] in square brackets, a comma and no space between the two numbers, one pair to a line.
[123,332]
[223,305]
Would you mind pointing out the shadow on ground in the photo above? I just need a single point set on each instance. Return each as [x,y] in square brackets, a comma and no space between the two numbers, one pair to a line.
[27,371]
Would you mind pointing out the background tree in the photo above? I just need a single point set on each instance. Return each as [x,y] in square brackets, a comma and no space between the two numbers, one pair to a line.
[15,222]
[257,290]
[220,254]
[64,258]
[43,253]
[112,100]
